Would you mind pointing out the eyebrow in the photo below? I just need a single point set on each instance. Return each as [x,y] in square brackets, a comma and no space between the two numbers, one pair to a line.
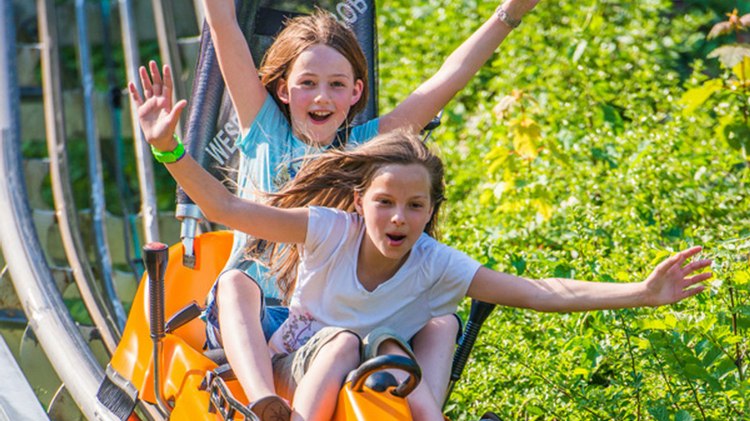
[344,75]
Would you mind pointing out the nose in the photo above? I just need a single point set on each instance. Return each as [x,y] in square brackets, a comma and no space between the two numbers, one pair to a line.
[323,96]
[398,217]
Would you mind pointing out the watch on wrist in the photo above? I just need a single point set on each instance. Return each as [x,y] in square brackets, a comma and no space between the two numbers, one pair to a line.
[505,18]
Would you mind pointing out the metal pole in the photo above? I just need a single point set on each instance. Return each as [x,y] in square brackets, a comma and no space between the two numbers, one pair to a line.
[64,204]
[142,153]
[35,287]
[167,37]
[98,204]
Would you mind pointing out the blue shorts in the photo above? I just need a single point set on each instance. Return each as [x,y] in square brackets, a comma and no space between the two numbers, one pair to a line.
[271,317]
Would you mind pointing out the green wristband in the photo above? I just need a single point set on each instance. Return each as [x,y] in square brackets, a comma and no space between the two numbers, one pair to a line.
[168,157]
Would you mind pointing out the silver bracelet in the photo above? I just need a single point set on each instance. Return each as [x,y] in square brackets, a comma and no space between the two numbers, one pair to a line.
[503,16]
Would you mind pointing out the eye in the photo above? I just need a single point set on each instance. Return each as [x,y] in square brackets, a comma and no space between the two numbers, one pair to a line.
[338,84]
[308,83]
[384,201]
[417,205]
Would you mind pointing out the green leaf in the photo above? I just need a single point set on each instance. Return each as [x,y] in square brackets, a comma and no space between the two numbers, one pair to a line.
[612,117]
[683,415]
[526,134]
[737,135]
[652,324]
[660,413]
[742,277]
[742,69]
[695,97]
[731,55]
[580,371]
[580,48]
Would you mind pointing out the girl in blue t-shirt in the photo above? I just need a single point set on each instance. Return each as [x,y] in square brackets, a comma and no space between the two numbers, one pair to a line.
[311,83]
[357,227]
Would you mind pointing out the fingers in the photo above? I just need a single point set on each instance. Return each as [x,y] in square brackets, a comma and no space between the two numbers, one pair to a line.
[697,265]
[698,278]
[153,85]
[134,94]
[174,115]
[686,254]
[167,81]
[693,291]
[678,259]
[146,83]
[156,78]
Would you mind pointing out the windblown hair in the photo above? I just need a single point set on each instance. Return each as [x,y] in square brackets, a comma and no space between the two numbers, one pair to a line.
[330,180]
[302,33]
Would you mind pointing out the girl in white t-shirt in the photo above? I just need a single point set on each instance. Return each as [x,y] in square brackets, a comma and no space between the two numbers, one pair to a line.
[359,223]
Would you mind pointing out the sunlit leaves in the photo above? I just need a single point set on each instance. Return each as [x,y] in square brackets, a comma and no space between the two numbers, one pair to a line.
[526,135]
[731,55]
[621,179]
[695,97]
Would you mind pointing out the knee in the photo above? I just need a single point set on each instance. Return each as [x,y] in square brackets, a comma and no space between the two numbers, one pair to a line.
[345,348]
[443,325]
[235,285]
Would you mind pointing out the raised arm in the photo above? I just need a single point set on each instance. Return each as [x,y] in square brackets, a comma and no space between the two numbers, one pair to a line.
[235,60]
[424,103]
[158,118]
[670,282]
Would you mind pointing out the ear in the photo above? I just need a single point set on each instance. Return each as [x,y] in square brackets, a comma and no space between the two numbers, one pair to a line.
[358,202]
[282,92]
[357,91]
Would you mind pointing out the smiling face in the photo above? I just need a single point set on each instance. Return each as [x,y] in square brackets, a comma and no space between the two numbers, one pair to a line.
[320,89]
[396,208]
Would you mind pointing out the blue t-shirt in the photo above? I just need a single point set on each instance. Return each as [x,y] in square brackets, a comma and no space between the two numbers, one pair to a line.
[271,156]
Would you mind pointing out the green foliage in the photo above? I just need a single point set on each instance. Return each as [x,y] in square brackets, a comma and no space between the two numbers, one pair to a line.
[727,96]
[622,177]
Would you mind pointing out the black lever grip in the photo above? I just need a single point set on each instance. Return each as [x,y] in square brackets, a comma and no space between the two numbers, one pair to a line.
[155,257]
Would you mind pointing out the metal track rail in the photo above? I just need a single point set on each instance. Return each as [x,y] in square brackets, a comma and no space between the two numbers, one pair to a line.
[73,244]
[35,287]
[96,179]
[167,38]
[142,153]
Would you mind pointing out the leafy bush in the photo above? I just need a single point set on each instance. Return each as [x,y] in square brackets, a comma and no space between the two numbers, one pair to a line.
[606,178]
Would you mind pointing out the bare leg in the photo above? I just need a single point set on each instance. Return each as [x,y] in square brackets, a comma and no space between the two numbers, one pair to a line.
[238,301]
[434,346]
[422,403]
[317,392]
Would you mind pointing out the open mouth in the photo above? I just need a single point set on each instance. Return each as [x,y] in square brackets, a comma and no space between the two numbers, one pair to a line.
[395,239]
[320,116]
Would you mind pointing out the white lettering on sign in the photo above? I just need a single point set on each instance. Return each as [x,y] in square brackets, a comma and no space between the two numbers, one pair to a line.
[223,146]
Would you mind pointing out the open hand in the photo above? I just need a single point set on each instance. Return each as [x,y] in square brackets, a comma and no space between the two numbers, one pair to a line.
[157,115]
[671,281]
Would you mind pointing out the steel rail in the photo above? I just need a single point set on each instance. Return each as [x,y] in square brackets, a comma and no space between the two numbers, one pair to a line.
[65,208]
[94,155]
[144,163]
[166,35]
[32,279]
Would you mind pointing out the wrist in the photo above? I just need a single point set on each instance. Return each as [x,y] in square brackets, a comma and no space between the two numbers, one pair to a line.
[508,15]
[169,154]
[645,298]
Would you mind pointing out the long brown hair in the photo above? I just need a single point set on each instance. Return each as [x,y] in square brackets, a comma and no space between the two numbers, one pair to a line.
[330,180]
[303,32]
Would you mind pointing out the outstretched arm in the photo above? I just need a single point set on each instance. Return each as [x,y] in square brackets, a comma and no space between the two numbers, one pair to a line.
[158,118]
[424,103]
[668,283]
[235,60]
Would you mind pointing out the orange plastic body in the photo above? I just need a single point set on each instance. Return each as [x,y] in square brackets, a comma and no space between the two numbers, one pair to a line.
[184,366]
[370,405]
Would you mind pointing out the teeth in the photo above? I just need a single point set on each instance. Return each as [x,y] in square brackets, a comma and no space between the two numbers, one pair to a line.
[320,113]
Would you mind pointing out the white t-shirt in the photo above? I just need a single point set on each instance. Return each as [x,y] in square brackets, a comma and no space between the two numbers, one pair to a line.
[431,282]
